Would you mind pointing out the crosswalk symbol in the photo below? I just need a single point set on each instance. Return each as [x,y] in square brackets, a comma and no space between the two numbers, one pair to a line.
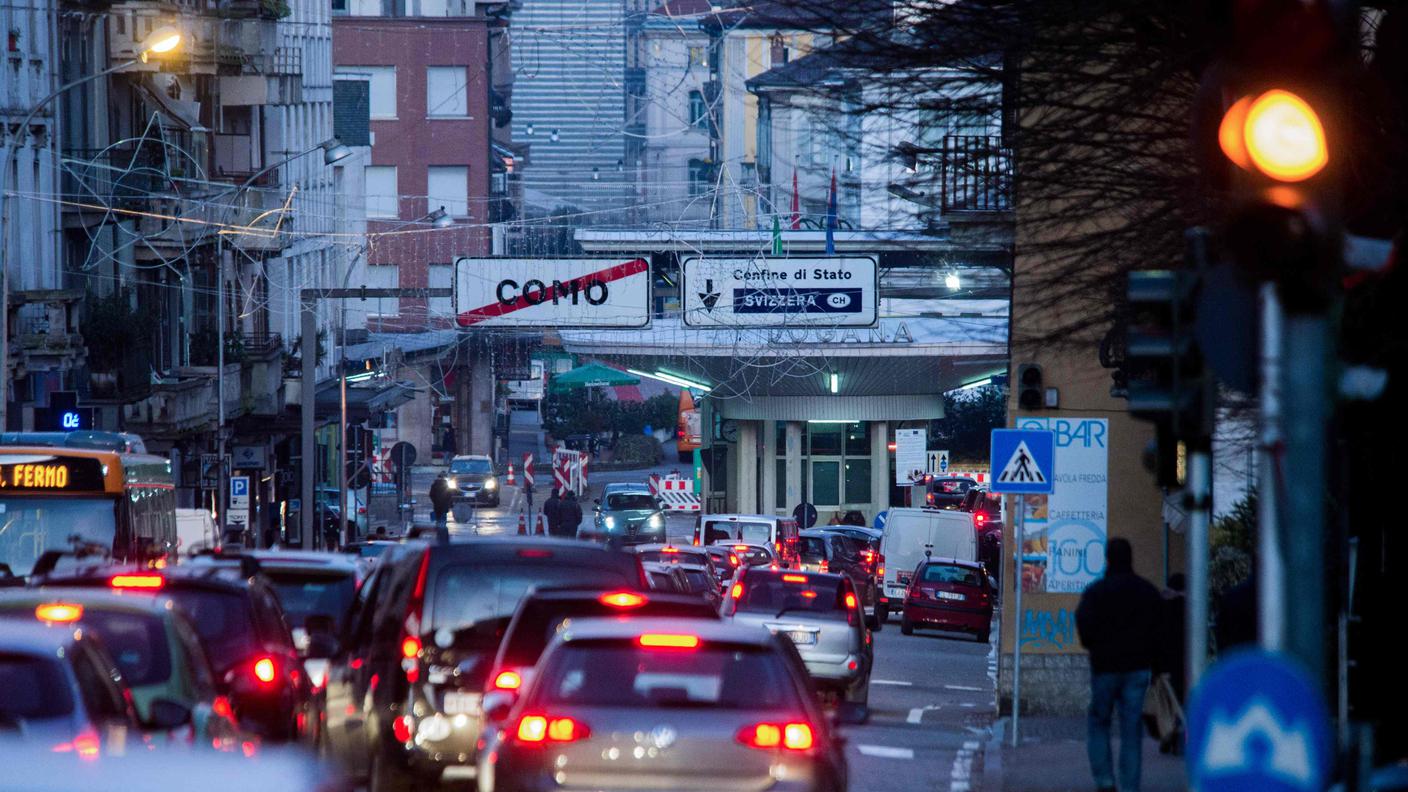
[1022,467]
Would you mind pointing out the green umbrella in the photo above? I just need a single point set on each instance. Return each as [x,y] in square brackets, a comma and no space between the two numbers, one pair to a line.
[591,375]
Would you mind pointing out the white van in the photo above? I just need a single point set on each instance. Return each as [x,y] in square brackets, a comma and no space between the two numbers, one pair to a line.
[195,531]
[764,529]
[909,533]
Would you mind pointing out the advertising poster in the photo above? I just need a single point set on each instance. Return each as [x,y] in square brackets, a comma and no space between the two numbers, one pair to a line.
[1075,513]
[1034,542]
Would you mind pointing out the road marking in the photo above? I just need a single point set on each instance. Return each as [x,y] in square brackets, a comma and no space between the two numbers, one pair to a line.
[898,682]
[963,687]
[916,715]
[960,775]
[886,752]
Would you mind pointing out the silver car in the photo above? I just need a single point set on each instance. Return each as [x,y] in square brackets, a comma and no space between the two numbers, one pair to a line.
[665,704]
[821,614]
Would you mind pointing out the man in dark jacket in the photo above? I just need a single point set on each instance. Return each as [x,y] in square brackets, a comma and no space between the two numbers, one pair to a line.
[571,514]
[1119,622]
[442,497]
[552,512]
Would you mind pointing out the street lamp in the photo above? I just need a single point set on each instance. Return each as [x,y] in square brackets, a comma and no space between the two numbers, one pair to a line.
[161,41]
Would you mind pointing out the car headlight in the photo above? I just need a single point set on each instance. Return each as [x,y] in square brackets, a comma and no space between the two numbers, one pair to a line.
[491,483]
[452,483]
[608,522]
[656,521]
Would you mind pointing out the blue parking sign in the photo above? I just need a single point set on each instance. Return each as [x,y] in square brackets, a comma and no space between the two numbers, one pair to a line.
[239,486]
[1023,461]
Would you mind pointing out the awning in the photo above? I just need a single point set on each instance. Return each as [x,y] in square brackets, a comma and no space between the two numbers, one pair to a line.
[363,400]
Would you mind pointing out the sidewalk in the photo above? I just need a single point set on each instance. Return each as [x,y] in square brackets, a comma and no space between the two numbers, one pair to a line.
[1052,758]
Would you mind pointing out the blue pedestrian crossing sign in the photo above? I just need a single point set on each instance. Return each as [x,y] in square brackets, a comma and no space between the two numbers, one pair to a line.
[1023,461]
[1256,722]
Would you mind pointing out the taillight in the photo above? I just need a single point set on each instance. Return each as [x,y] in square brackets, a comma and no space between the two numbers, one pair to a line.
[851,601]
[221,707]
[411,625]
[622,599]
[823,566]
[264,670]
[137,581]
[794,578]
[401,728]
[736,591]
[768,736]
[58,612]
[410,647]
[544,728]
[668,641]
[508,680]
[880,571]
[86,744]
[732,559]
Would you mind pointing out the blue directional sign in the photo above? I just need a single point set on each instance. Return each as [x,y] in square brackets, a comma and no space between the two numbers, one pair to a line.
[1023,461]
[1256,722]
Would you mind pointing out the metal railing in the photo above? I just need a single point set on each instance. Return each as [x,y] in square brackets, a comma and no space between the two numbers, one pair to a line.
[975,174]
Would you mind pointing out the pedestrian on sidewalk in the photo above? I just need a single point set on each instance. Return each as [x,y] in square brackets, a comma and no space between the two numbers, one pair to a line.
[552,512]
[1119,623]
[571,514]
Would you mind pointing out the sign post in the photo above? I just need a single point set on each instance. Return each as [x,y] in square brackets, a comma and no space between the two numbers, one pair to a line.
[1023,462]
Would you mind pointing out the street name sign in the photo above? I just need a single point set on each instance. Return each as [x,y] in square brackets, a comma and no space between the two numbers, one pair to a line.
[568,292]
[1023,461]
[1256,722]
[829,291]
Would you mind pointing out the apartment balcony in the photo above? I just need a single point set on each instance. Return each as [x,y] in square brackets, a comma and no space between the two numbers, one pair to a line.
[184,401]
[975,175]
[223,38]
[44,330]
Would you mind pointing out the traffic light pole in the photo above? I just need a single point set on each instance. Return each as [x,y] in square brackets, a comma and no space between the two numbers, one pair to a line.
[1270,571]
[1199,519]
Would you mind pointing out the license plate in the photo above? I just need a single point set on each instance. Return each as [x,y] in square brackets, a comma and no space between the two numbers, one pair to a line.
[461,703]
[949,595]
[802,637]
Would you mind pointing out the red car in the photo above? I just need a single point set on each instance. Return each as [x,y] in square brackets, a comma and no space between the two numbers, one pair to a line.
[948,594]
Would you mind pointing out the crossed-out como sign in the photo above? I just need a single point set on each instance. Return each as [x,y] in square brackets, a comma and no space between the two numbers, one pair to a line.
[567,292]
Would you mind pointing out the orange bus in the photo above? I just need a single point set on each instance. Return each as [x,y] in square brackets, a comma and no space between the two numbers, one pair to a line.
[63,498]
[689,433]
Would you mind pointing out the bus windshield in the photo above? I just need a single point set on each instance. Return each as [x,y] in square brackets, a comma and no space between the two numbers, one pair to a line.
[30,526]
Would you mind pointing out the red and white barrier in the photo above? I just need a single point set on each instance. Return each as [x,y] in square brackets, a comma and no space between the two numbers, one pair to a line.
[677,494]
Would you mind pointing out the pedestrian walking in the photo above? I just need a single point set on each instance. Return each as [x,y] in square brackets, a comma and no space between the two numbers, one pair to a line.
[571,511]
[442,497]
[1118,619]
[552,512]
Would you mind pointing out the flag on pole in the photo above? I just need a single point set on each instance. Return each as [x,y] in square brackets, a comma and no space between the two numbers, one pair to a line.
[796,204]
[776,235]
[831,217]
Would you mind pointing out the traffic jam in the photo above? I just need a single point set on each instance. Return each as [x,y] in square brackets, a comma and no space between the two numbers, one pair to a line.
[650,650]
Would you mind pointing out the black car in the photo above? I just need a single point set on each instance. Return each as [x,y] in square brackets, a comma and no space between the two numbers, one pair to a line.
[242,629]
[829,551]
[473,482]
[404,694]
[947,492]
[541,614]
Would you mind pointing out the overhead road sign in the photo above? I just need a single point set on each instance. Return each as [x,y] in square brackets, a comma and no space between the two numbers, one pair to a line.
[576,292]
[830,291]
[1256,722]
[1023,461]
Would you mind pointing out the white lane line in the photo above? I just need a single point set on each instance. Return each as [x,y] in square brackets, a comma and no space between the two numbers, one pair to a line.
[963,687]
[886,752]
[961,774]
[916,715]
[900,683]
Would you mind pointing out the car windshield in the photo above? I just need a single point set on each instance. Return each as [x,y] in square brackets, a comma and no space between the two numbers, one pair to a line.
[949,573]
[630,501]
[137,643]
[305,594]
[542,620]
[812,548]
[673,557]
[461,466]
[223,622]
[615,674]
[32,688]
[812,597]
[31,525]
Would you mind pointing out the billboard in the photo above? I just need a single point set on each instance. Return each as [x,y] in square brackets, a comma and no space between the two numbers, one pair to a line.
[1069,527]
[570,292]
[828,291]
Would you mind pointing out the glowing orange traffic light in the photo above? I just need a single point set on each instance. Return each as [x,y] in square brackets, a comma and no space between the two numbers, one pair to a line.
[1277,133]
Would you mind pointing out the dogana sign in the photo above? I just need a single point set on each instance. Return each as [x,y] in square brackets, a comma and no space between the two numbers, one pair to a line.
[578,292]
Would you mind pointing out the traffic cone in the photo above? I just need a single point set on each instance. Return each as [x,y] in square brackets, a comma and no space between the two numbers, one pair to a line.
[510,474]
[541,529]
[522,526]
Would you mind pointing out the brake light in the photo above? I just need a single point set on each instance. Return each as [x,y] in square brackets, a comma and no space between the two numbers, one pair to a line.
[851,601]
[668,641]
[58,612]
[823,567]
[669,549]
[791,736]
[542,728]
[410,647]
[221,706]
[535,554]
[740,548]
[508,680]
[411,625]
[732,559]
[979,519]
[137,581]
[264,670]
[795,578]
[401,728]
[880,571]
[622,599]
[736,591]
[85,744]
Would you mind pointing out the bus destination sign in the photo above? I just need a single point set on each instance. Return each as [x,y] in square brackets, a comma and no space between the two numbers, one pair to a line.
[42,473]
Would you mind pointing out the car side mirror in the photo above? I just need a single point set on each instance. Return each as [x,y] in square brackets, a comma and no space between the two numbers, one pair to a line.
[167,714]
[597,501]
[496,705]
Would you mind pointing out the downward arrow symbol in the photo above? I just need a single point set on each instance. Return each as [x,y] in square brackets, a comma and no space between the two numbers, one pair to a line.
[709,296]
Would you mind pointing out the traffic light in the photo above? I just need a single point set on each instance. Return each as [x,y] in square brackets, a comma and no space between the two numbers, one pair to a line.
[1163,366]
[1031,391]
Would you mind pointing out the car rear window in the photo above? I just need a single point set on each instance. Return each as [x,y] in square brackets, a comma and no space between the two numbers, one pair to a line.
[812,548]
[309,593]
[750,532]
[660,581]
[676,557]
[137,643]
[699,581]
[949,573]
[630,500]
[542,620]
[223,622]
[32,688]
[619,674]
[470,594]
[818,597]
